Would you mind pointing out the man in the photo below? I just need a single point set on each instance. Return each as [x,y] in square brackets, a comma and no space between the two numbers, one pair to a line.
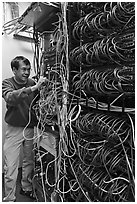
[19,93]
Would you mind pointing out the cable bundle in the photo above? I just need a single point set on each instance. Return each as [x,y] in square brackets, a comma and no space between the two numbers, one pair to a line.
[87,7]
[102,187]
[112,18]
[95,149]
[50,98]
[103,124]
[109,81]
[102,56]
[51,108]
[105,162]
[114,15]
[43,178]
[118,49]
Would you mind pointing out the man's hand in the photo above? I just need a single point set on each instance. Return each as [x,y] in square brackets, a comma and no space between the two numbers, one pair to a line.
[40,82]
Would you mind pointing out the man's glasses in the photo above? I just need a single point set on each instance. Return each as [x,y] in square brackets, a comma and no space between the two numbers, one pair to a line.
[24,69]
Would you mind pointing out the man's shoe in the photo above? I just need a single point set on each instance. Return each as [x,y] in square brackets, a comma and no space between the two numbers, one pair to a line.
[29,194]
[4,200]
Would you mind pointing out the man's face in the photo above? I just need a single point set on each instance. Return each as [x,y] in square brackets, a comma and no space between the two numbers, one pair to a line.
[23,72]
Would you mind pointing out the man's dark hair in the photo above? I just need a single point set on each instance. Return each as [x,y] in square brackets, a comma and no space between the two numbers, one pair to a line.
[16,60]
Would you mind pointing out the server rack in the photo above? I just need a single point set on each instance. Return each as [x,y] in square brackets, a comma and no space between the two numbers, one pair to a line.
[85,143]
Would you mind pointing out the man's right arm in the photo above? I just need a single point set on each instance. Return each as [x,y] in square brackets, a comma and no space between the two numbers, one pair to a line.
[14,97]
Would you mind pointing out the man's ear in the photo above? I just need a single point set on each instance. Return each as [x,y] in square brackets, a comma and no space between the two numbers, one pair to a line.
[14,70]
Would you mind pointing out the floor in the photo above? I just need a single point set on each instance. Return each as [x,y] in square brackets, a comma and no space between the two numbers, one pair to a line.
[19,197]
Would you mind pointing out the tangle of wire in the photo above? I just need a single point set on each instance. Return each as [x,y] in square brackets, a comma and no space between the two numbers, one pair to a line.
[109,81]
[114,17]
[118,49]
[99,138]
[53,101]
[108,128]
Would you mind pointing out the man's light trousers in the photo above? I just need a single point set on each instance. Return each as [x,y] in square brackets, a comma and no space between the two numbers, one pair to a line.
[15,137]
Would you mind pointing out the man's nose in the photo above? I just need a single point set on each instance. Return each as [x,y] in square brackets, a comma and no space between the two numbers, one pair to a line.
[27,70]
